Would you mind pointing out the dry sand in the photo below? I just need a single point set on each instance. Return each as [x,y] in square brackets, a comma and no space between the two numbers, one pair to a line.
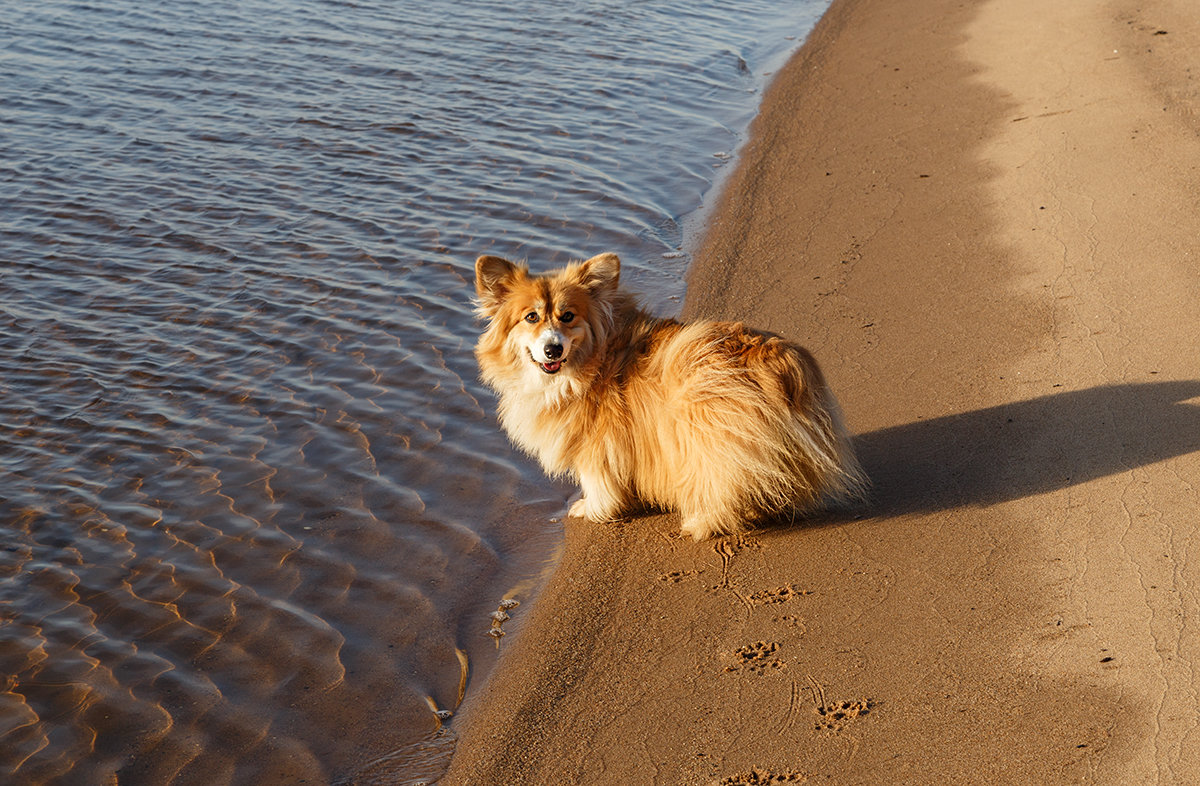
[983,218]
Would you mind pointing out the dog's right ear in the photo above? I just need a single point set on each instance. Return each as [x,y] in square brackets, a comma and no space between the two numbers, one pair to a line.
[494,277]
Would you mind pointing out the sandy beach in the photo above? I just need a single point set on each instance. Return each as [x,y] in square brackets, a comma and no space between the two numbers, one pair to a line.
[982,218]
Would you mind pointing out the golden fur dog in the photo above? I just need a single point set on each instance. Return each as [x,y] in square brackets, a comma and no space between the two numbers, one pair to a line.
[720,422]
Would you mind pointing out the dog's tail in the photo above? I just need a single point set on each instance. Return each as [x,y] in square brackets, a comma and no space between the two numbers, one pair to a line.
[828,463]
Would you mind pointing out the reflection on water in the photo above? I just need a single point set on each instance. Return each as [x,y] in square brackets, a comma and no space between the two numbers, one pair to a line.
[255,509]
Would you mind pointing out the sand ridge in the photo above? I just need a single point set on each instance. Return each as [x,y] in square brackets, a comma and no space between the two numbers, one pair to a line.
[981,217]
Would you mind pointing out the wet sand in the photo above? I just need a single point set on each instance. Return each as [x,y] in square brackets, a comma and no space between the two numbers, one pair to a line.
[982,218]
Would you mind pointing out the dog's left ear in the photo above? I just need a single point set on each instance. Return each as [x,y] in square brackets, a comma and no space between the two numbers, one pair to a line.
[600,274]
[494,277]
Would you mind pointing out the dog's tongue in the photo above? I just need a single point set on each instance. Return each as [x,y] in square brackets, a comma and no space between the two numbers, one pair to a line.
[550,368]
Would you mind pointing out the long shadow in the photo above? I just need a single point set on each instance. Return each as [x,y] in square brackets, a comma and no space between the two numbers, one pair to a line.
[1027,448]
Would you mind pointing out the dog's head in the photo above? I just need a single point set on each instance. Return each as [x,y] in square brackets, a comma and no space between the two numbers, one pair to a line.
[550,323]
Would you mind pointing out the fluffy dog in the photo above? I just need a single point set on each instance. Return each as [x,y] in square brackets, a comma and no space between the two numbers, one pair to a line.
[725,424]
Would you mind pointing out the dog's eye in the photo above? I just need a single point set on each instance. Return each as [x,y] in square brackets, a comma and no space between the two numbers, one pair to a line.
[566,316]
[531,317]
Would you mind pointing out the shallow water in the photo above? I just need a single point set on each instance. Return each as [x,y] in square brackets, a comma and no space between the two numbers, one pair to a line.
[255,508]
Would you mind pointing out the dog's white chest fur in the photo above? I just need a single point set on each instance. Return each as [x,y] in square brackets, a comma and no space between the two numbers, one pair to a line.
[526,417]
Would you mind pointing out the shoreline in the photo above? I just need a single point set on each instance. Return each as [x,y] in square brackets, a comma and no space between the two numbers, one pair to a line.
[981,219]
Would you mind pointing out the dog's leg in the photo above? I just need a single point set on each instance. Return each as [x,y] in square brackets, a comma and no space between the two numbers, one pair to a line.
[710,523]
[602,499]
[709,510]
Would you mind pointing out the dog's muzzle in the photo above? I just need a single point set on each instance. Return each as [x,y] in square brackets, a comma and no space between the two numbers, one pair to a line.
[550,352]
[553,353]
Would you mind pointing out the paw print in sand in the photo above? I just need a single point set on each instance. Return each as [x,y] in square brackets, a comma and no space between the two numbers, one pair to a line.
[777,595]
[834,717]
[756,658]
[761,777]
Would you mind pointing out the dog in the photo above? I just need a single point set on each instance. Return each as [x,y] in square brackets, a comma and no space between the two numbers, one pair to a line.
[725,424]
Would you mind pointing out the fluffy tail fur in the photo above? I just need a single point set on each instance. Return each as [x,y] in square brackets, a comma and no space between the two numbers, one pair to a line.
[761,433]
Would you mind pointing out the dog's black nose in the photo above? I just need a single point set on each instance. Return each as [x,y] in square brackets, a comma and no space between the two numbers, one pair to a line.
[553,351]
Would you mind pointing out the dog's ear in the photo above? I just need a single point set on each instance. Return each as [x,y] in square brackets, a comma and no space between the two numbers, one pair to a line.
[494,277]
[600,274]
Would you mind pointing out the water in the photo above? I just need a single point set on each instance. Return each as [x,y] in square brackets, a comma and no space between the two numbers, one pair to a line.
[255,510]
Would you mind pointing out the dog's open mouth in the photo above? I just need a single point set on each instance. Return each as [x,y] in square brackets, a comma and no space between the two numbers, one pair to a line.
[550,366]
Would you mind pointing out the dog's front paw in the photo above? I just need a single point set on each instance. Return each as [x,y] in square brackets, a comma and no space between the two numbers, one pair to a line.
[591,510]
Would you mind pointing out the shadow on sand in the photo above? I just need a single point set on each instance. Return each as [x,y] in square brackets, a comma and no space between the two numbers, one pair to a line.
[1031,447]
